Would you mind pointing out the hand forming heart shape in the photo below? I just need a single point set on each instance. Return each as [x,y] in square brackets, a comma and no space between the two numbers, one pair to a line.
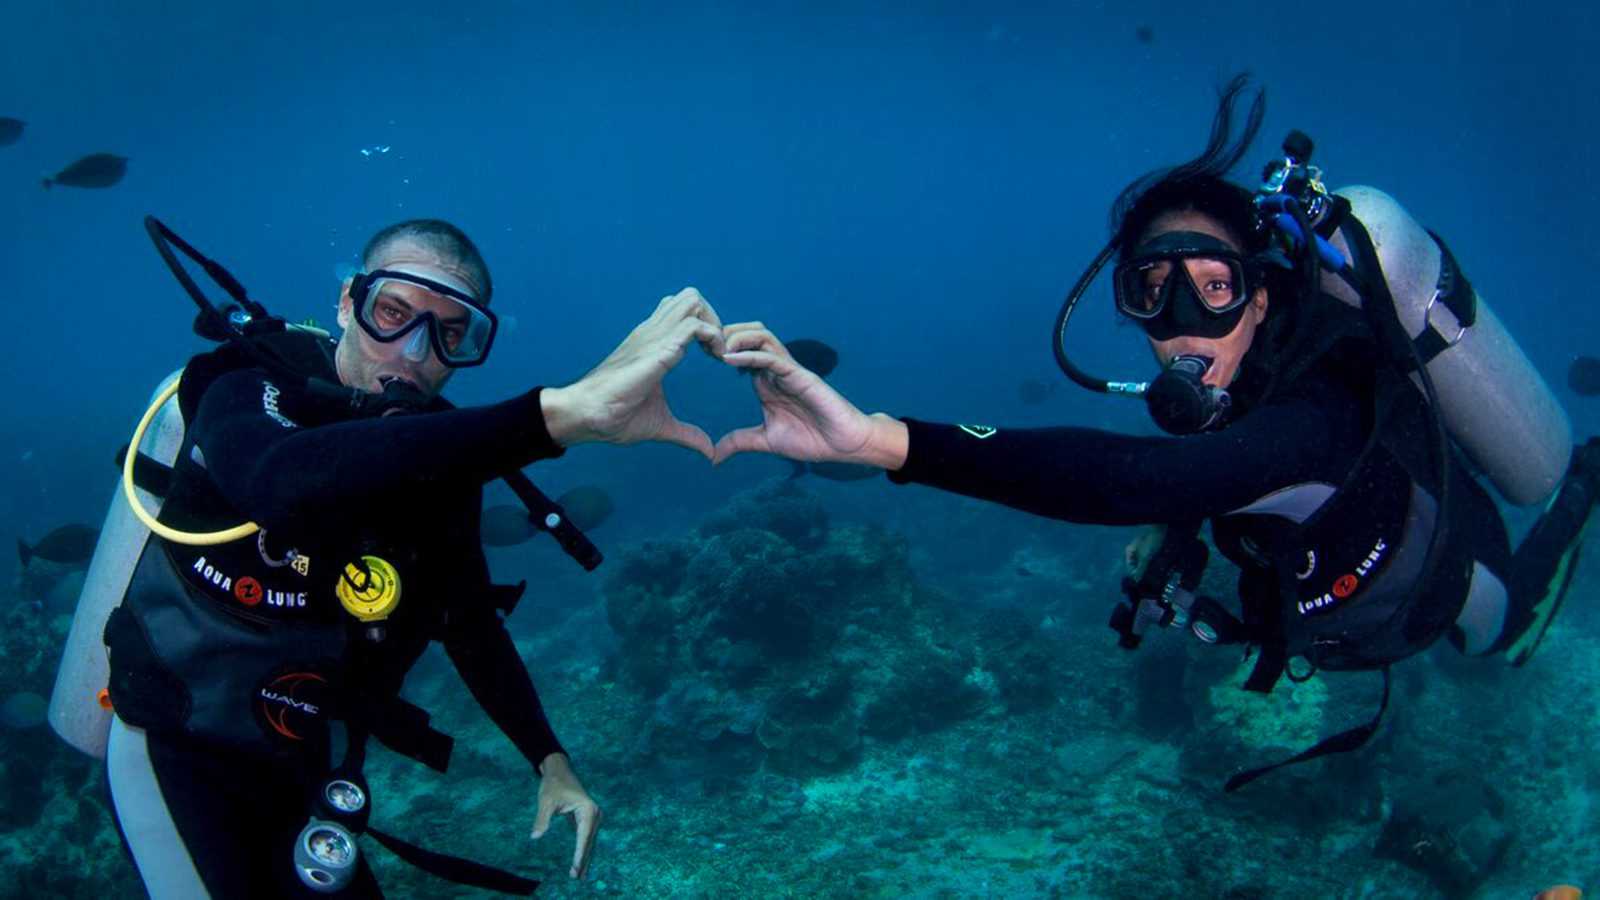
[621,401]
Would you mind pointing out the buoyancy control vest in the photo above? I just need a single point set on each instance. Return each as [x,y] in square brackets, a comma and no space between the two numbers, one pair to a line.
[248,643]
[256,646]
[1374,572]
[1335,574]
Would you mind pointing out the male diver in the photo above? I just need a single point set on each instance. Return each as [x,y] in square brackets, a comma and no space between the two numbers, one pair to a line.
[1307,428]
[230,661]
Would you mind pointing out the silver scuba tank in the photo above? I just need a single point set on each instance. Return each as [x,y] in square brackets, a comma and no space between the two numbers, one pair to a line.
[79,710]
[1494,403]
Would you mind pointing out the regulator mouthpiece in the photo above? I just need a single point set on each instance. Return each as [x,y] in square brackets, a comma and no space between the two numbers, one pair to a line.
[1180,403]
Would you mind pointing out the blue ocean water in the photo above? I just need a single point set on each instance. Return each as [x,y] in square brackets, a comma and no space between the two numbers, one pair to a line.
[916,184]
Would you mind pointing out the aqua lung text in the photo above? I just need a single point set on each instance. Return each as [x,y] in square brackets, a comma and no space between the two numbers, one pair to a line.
[1348,584]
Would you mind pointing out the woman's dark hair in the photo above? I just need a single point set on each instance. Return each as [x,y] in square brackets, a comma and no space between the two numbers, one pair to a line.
[1201,183]
[440,237]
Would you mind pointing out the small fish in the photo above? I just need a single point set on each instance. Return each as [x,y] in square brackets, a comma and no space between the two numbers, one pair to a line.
[1584,376]
[506,525]
[11,130]
[587,506]
[1033,392]
[814,355]
[834,471]
[837,471]
[69,545]
[97,170]
[1560,892]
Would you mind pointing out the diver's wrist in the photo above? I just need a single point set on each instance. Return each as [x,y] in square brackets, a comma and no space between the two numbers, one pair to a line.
[563,415]
[887,443]
[555,763]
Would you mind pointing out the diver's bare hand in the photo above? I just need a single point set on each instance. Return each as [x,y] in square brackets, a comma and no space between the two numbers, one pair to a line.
[621,401]
[560,793]
[1139,550]
[802,417]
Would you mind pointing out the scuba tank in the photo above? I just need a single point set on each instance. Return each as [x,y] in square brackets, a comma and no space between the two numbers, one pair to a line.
[1488,397]
[1495,405]
[80,710]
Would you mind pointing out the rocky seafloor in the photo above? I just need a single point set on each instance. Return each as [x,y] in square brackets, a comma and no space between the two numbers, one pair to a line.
[787,703]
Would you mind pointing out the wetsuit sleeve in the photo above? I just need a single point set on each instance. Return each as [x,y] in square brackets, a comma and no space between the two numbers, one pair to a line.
[484,654]
[275,471]
[1099,477]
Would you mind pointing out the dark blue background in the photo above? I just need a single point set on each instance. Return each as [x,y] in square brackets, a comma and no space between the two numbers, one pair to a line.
[916,184]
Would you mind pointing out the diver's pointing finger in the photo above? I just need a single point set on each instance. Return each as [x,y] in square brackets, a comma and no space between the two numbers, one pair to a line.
[541,822]
[586,818]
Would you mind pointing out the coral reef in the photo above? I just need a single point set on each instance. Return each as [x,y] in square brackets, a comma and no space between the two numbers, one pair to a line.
[789,707]
[1289,718]
[767,625]
[56,835]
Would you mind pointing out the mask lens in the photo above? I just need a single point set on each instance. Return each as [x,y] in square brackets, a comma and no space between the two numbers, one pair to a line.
[1141,287]
[386,313]
[458,330]
[1146,287]
[1218,282]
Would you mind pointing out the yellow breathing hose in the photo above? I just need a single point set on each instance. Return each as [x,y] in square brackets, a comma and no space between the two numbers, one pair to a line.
[190,538]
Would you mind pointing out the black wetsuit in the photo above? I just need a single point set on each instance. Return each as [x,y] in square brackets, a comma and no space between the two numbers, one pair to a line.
[1308,435]
[324,489]
[1312,433]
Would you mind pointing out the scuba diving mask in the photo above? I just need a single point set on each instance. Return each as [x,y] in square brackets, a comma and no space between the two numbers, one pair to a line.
[1179,283]
[389,306]
[1184,283]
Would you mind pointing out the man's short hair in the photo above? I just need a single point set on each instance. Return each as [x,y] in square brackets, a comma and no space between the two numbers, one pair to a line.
[440,237]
